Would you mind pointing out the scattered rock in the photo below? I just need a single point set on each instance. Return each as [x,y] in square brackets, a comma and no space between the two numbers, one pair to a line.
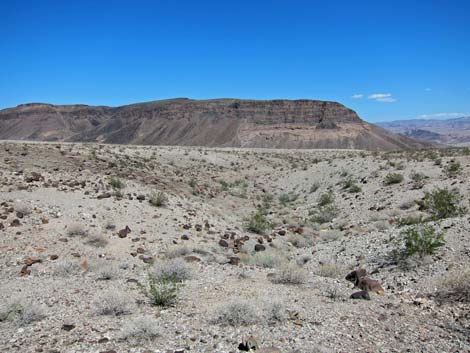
[124,232]
[360,295]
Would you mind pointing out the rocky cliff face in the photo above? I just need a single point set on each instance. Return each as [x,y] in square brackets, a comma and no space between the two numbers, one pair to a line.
[218,122]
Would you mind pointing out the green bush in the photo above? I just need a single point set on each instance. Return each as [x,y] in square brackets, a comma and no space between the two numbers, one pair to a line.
[158,199]
[326,198]
[351,186]
[421,240]
[258,223]
[418,179]
[161,292]
[442,203]
[287,198]
[453,168]
[324,214]
[393,178]
[116,183]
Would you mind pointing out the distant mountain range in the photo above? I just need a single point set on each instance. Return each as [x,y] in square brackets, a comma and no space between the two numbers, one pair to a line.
[216,123]
[455,132]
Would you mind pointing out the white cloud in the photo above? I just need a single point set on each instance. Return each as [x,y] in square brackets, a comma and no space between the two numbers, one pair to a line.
[357,96]
[443,115]
[382,97]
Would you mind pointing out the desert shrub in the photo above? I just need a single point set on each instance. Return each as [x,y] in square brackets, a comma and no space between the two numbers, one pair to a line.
[442,203]
[178,251]
[175,270]
[420,240]
[455,287]
[116,183]
[111,303]
[418,180]
[330,235]
[76,228]
[393,178]
[21,312]
[66,268]
[329,269]
[453,168]
[257,223]
[238,312]
[410,220]
[287,198]
[158,199]
[274,311]
[351,186]
[97,240]
[140,329]
[300,240]
[105,271]
[326,198]
[290,273]
[22,207]
[324,214]
[267,259]
[160,292]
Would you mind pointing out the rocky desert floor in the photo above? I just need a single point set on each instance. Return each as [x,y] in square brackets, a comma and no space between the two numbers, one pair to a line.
[113,248]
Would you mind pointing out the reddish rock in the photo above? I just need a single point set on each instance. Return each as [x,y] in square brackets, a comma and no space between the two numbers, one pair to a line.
[29,261]
[25,271]
[123,232]
[53,257]
[234,260]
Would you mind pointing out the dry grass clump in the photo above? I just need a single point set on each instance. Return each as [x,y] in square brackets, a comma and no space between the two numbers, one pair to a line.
[241,312]
[300,240]
[290,273]
[106,271]
[267,259]
[21,312]
[76,229]
[65,268]
[455,287]
[158,199]
[97,240]
[22,207]
[329,269]
[143,328]
[111,303]
[174,270]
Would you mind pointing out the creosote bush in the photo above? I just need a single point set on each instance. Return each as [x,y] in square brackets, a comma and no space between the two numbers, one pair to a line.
[442,203]
[257,223]
[393,178]
[242,312]
[116,183]
[421,240]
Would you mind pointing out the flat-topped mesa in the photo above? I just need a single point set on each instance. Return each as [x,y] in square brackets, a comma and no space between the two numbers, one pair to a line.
[259,112]
[212,123]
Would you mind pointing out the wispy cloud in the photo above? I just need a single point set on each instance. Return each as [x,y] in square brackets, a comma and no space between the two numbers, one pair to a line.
[428,89]
[443,115]
[382,97]
[357,96]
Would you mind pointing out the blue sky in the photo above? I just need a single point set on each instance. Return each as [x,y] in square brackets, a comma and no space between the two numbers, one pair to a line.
[400,59]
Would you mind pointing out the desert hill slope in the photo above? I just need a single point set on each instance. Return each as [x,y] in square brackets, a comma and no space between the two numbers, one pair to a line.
[212,123]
